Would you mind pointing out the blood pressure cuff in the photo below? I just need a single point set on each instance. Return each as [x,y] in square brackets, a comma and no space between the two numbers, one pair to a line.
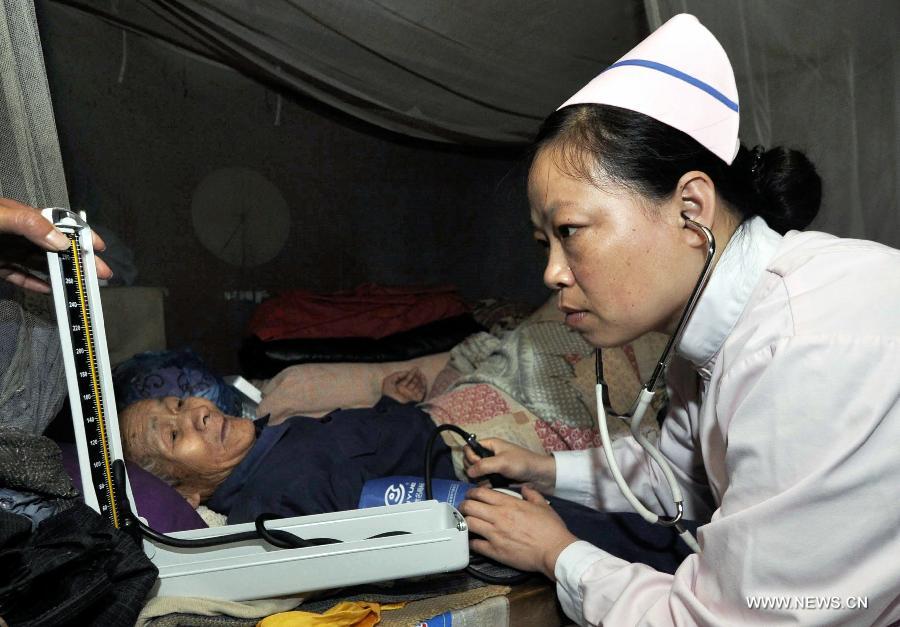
[262,360]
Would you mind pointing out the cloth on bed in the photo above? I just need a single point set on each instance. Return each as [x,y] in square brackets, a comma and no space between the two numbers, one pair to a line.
[534,385]
[371,311]
[487,412]
[197,612]
[369,324]
[265,359]
[423,597]
[343,614]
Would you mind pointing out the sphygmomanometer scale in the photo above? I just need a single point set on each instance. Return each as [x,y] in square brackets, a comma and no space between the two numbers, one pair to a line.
[435,538]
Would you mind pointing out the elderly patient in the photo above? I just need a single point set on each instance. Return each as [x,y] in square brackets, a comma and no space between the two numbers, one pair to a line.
[290,467]
[303,465]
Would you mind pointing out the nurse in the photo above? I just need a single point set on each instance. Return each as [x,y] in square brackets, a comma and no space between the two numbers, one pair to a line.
[784,422]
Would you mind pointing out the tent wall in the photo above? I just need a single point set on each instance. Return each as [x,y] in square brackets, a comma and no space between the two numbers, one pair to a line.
[822,77]
[301,93]
[139,136]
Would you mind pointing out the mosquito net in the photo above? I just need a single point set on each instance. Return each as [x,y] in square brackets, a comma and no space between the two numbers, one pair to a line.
[32,384]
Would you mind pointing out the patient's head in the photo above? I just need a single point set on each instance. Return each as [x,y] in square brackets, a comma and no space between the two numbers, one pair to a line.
[187,442]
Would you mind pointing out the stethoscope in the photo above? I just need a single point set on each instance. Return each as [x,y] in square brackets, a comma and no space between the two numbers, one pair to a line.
[634,417]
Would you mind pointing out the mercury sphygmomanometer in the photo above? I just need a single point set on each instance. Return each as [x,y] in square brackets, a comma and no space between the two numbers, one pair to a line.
[236,562]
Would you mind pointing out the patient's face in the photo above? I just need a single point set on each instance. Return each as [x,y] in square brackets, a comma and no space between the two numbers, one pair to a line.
[188,439]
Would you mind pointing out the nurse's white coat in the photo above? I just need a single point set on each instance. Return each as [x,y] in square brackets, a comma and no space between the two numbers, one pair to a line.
[784,432]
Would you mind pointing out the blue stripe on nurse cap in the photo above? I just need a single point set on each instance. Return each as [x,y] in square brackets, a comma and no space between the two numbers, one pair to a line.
[679,75]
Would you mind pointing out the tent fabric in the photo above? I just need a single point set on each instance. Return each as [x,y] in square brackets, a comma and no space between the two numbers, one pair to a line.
[822,77]
[466,72]
[30,163]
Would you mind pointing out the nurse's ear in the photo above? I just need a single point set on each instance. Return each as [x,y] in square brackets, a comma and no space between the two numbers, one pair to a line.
[695,198]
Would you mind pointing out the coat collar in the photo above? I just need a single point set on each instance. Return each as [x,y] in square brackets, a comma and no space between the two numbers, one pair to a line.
[266,438]
[736,274]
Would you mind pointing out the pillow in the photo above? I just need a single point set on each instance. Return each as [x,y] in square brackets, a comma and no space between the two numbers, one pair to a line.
[163,507]
[180,373]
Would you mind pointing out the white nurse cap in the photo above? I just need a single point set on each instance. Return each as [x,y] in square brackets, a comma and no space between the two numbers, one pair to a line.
[679,75]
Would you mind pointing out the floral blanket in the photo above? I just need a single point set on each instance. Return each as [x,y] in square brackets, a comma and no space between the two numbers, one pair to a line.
[534,385]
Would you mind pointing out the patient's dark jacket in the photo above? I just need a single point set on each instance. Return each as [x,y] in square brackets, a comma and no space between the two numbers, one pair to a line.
[314,465]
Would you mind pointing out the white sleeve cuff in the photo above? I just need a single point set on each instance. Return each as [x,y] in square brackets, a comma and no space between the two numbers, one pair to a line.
[570,568]
[576,476]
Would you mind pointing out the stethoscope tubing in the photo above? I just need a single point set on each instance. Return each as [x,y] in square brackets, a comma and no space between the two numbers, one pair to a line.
[636,415]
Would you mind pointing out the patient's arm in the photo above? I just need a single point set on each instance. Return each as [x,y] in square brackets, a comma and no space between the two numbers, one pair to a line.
[316,389]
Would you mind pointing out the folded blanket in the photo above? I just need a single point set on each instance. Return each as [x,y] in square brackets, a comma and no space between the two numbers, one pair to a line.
[534,385]
[533,364]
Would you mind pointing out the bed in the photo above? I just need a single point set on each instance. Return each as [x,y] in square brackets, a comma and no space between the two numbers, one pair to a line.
[527,378]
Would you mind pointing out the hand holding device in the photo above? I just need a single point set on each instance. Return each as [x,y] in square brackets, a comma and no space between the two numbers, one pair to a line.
[525,534]
[496,480]
[515,463]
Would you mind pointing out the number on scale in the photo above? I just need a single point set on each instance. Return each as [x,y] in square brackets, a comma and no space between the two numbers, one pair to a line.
[76,327]
[83,374]
[86,397]
[70,281]
[79,351]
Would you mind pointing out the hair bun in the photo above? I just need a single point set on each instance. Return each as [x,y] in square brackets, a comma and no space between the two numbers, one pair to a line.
[787,187]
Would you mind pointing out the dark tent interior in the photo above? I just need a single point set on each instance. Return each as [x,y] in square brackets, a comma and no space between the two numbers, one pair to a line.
[225,161]
[239,153]
[145,126]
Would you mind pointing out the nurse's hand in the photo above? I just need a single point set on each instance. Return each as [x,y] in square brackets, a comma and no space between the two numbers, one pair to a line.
[513,462]
[523,533]
[20,219]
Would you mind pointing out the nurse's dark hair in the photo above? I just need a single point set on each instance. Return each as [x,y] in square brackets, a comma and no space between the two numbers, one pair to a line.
[649,157]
